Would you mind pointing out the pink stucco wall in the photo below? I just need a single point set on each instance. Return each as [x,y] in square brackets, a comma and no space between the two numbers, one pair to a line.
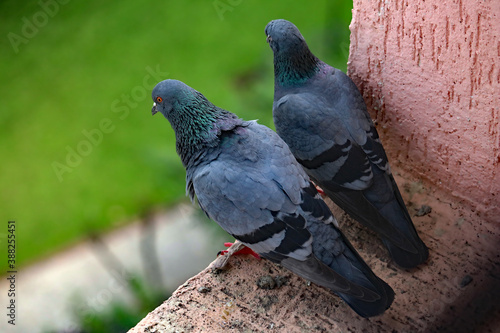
[430,73]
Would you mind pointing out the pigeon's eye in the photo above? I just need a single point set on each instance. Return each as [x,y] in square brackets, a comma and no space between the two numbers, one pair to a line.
[159,99]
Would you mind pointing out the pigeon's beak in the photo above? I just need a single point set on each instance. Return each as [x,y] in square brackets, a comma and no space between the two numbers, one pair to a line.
[154,110]
[269,39]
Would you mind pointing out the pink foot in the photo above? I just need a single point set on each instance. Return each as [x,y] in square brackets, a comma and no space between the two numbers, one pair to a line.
[244,250]
[320,190]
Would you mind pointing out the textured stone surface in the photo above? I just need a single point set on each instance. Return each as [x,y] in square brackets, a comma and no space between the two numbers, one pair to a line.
[430,73]
[430,298]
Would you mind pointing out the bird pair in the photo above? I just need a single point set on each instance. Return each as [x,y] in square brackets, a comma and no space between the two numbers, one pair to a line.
[256,184]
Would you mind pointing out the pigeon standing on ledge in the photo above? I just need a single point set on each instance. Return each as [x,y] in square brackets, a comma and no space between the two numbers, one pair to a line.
[319,112]
[246,179]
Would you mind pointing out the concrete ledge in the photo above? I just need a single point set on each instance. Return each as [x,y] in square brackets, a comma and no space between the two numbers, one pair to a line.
[457,290]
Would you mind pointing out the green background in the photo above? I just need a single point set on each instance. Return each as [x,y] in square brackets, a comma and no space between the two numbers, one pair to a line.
[66,68]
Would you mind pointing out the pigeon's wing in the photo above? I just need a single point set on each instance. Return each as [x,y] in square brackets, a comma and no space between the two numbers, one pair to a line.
[253,190]
[332,151]
[381,203]
[343,159]
[348,105]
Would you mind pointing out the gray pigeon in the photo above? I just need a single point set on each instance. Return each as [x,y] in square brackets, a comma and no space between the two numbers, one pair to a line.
[319,112]
[246,179]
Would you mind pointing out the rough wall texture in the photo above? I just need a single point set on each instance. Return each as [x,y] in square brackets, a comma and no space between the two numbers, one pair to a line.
[430,74]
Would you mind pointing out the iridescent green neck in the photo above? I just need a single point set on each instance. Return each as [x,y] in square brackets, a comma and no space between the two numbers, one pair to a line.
[198,125]
[294,68]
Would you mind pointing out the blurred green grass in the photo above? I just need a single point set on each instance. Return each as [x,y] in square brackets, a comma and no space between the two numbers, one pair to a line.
[78,67]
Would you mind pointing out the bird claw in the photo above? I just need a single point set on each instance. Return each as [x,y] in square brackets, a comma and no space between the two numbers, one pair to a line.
[320,190]
[236,248]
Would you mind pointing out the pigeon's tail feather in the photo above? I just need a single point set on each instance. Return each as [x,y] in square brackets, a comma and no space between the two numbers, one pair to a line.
[383,210]
[362,275]
[370,309]
[404,258]
[402,220]
[332,248]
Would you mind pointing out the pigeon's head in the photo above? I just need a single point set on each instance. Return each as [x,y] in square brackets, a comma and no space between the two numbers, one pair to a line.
[283,36]
[169,95]
[195,120]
